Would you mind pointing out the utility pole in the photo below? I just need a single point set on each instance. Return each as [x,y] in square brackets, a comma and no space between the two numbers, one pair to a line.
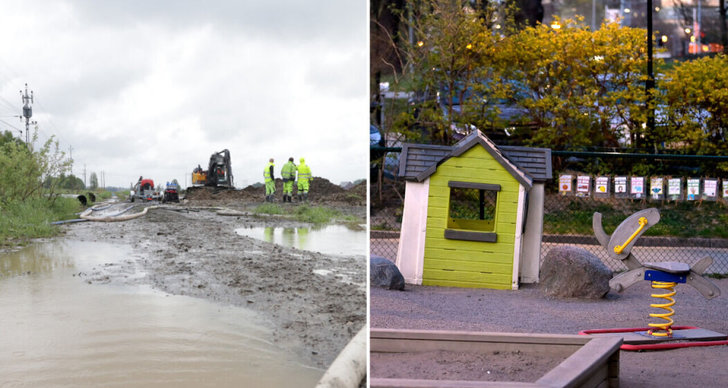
[723,33]
[27,111]
[84,176]
[650,84]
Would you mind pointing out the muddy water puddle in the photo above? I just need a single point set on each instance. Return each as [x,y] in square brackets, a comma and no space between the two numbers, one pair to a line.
[58,330]
[328,239]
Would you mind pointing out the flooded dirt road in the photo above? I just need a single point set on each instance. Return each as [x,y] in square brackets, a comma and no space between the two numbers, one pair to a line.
[304,305]
[58,330]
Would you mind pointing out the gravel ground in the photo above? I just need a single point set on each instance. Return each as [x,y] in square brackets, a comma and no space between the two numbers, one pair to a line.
[185,249]
[528,310]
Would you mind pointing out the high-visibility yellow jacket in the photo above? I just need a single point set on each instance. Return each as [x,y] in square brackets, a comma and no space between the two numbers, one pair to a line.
[268,172]
[288,172]
[304,172]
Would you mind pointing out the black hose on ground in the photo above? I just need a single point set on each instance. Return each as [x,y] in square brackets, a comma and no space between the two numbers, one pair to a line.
[68,221]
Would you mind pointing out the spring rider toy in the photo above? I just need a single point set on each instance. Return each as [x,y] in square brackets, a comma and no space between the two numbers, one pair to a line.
[664,276]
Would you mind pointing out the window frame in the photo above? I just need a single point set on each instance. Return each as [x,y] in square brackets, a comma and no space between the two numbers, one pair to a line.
[473,235]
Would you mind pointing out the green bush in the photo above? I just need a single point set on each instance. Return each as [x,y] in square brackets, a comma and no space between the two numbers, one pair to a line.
[29,198]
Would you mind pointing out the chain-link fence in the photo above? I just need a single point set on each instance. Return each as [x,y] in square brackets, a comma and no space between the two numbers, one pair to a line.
[687,231]
[568,221]
[386,206]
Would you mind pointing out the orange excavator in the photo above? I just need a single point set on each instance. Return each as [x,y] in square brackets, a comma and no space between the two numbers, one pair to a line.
[218,173]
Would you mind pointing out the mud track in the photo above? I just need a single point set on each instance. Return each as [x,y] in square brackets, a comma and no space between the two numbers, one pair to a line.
[188,250]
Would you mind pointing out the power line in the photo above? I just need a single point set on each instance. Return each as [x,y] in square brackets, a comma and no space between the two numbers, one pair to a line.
[7,103]
[52,124]
[12,126]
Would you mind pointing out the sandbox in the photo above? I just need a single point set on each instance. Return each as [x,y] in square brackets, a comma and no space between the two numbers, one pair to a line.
[411,358]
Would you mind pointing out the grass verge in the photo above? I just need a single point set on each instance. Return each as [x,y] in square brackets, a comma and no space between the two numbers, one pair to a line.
[306,213]
[268,208]
[22,221]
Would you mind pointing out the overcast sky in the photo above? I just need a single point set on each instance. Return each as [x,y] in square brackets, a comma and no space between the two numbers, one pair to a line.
[153,88]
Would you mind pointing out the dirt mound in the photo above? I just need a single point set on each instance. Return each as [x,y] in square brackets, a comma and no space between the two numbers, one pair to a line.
[321,187]
[216,193]
[356,195]
[321,190]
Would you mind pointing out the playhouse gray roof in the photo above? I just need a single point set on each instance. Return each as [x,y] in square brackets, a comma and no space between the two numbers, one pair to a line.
[419,161]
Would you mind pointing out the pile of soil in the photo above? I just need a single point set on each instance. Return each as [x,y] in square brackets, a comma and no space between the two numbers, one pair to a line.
[321,190]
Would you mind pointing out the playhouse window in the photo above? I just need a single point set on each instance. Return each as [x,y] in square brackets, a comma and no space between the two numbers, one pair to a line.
[471,215]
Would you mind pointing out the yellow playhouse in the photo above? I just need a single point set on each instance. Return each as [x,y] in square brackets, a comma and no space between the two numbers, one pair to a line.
[473,213]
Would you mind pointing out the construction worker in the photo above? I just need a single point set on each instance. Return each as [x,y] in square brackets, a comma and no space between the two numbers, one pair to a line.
[304,178]
[288,174]
[270,181]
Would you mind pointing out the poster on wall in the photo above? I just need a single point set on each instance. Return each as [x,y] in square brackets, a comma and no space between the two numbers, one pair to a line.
[565,184]
[637,186]
[725,189]
[620,187]
[693,191]
[710,189]
[674,189]
[583,185]
[601,187]
[657,188]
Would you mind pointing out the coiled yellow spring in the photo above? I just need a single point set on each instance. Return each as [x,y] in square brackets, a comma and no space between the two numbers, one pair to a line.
[663,329]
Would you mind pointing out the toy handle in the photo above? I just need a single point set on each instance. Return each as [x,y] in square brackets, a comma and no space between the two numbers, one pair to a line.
[619,248]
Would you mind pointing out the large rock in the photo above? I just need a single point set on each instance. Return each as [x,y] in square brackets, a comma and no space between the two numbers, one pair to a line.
[572,272]
[383,273]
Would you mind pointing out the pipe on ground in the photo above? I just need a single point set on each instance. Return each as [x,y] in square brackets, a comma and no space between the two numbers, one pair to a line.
[86,215]
[350,366]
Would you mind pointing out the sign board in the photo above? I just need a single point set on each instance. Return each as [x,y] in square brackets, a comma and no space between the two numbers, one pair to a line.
[565,182]
[710,189]
[657,188]
[637,187]
[725,189]
[583,185]
[620,187]
[601,187]
[674,189]
[693,191]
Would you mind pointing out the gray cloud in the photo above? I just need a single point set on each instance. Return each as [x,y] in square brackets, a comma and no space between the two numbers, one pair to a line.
[289,19]
[153,88]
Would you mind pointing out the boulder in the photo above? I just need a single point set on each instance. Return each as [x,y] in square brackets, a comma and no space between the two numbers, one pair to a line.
[383,273]
[572,272]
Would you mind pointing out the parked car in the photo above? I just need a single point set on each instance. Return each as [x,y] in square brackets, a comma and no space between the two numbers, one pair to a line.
[391,159]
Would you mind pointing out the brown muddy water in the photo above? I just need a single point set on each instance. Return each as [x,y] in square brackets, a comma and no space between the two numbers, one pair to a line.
[327,239]
[58,330]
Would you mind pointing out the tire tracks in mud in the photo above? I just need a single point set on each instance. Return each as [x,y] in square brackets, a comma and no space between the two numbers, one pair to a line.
[199,254]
